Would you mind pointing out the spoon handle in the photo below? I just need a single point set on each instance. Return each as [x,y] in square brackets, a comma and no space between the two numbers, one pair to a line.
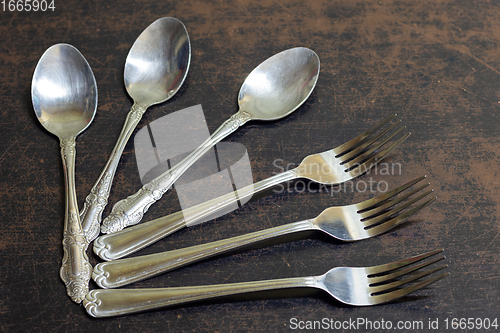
[107,303]
[75,269]
[130,211]
[97,200]
[122,272]
[129,240]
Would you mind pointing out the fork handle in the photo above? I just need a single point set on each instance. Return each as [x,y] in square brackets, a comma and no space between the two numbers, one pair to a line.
[129,240]
[130,211]
[108,303]
[119,273]
[97,200]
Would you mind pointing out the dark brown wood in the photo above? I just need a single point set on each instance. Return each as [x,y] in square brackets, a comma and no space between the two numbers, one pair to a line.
[435,63]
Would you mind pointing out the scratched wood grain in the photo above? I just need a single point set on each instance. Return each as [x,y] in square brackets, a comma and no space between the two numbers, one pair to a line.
[435,63]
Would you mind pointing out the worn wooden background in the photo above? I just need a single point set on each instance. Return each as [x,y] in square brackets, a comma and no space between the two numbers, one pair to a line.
[435,63]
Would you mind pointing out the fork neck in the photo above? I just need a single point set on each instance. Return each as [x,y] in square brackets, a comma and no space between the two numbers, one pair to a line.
[196,214]
[272,181]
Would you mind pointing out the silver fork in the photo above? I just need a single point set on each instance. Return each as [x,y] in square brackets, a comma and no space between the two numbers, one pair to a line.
[358,286]
[347,223]
[347,161]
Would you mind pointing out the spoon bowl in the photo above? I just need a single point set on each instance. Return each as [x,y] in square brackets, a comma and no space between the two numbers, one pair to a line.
[64,91]
[155,69]
[64,95]
[157,63]
[279,85]
[273,90]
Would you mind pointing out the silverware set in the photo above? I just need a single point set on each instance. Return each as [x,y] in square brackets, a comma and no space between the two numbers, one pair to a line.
[64,96]
[332,167]
[348,223]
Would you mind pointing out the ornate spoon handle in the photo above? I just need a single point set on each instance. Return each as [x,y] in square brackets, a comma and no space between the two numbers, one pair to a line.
[107,303]
[119,273]
[97,200]
[129,240]
[75,268]
[130,211]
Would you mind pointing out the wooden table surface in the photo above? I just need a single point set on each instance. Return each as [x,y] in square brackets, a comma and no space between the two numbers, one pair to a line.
[434,63]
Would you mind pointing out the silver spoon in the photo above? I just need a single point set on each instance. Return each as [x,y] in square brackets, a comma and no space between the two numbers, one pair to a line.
[273,90]
[155,69]
[64,95]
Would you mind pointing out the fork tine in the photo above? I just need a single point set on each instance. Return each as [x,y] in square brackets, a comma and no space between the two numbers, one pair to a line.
[374,202]
[349,145]
[363,168]
[376,227]
[377,215]
[362,155]
[388,225]
[398,293]
[379,279]
[385,268]
[384,288]
[362,147]
[390,203]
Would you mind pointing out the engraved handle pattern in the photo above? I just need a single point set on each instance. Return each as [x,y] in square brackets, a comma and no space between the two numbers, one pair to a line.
[127,241]
[97,200]
[130,211]
[122,243]
[108,303]
[75,268]
[122,272]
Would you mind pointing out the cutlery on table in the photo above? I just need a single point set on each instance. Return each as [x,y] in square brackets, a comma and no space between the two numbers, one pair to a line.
[335,166]
[64,96]
[273,90]
[357,286]
[346,223]
[155,69]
